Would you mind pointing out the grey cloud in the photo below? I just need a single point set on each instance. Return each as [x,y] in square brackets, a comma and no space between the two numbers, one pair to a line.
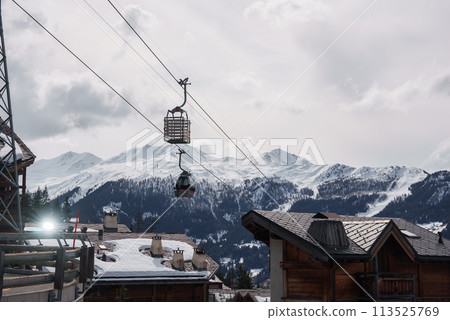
[137,17]
[283,12]
[64,107]
[442,86]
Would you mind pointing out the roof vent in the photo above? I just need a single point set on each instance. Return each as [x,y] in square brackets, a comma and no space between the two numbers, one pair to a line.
[329,233]
[199,259]
[178,259]
[110,222]
[326,215]
[441,240]
[156,249]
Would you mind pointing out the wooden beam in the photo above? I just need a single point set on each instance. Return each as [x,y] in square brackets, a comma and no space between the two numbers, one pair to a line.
[59,269]
[28,280]
[83,265]
[16,247]
[37,279]
[23,272]
[295,265]
[41,235]
[2,267]
[29,258]
[91,262]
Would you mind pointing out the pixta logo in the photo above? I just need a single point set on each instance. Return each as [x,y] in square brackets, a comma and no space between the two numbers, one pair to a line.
[147,152]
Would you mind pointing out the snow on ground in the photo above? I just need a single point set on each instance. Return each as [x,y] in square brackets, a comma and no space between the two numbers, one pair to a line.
[250,244]
[255,272]
[54,243]
[113,207]
[408,177]
[434,227]
[129,261]
[262,299]
[223,297]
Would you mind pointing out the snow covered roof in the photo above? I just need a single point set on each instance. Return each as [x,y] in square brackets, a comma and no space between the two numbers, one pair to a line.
[128,259]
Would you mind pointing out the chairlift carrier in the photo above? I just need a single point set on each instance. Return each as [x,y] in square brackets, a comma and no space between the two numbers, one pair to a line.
[177,126]
[185,185]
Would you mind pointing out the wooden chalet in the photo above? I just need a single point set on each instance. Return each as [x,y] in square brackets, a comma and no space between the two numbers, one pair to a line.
[25,158]
[251,296]
[241,295]
[328,257]
[148,267]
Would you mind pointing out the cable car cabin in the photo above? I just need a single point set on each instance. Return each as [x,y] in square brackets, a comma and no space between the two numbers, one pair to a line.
[185,187]
[177,129]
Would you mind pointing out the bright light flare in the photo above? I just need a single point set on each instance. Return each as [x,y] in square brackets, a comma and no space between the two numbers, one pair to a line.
[48,226]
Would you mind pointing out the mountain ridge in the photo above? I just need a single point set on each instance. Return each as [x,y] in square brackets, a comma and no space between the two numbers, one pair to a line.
[91,172]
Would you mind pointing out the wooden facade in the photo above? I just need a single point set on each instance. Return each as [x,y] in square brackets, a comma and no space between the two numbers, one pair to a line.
[6,191]
[392,268]
[148,292]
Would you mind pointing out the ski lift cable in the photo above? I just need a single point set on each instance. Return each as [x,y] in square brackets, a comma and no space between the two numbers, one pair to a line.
[193,99]
[109,85]
[235,144]
[138,54]
[130,18]
[143,41]
[127,43]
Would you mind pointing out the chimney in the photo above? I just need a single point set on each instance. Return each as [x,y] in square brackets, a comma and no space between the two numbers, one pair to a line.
[156,249]
[178,259]
[329,233]
[199,259]
[110,222]
[441,240]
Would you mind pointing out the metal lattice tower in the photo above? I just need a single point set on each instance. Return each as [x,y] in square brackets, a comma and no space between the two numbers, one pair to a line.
[10,202]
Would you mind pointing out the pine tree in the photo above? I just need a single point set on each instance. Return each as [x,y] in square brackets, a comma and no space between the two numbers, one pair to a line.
[27,209]
[57,210]
[230,279]
[138,222]
[37,200]
[244,280]
[45,200]
[66,209]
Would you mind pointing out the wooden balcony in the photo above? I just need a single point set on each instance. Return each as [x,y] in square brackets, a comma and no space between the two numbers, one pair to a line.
[388,286]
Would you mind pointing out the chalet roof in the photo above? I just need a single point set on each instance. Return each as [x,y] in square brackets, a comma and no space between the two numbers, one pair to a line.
[241,295]
[129,258]
[364,234]
[252,296]
[27,157]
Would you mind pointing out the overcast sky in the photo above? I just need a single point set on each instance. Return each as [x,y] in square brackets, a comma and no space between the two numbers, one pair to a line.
[380,95]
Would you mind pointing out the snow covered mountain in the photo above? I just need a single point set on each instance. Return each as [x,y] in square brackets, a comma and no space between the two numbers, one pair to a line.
[86,173]
[428,203]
